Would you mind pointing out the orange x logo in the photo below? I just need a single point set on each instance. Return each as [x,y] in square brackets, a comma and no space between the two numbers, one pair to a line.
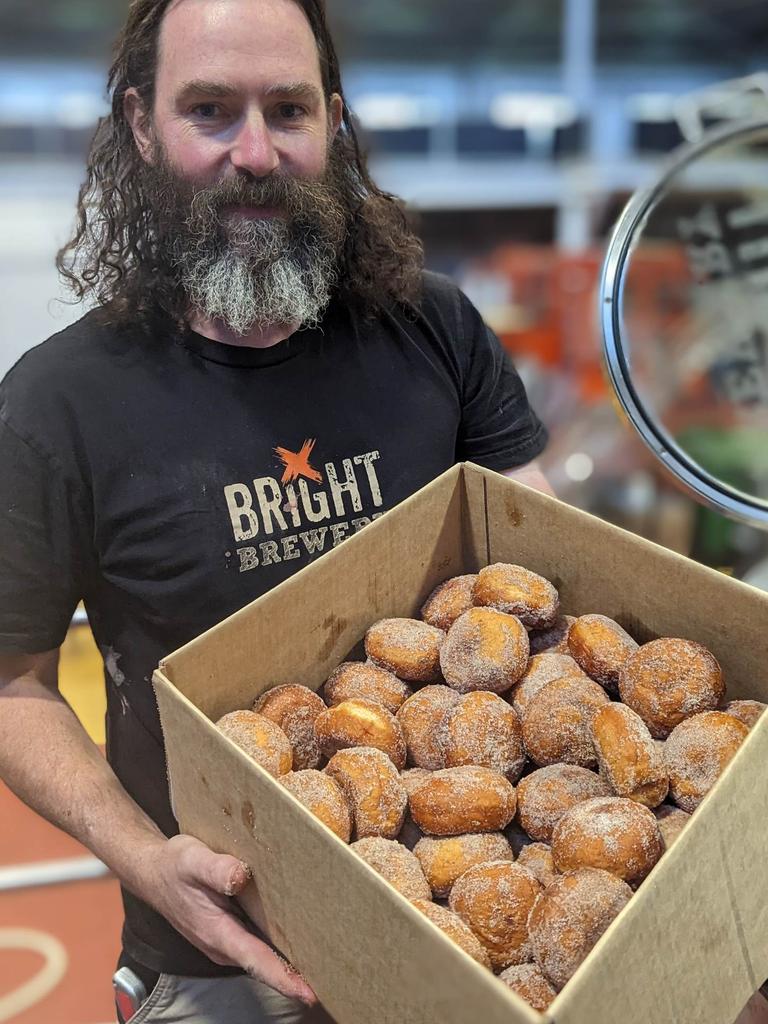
[297,463]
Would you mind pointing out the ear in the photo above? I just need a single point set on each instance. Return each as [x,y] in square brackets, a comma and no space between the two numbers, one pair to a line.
[138,118]
[335,114]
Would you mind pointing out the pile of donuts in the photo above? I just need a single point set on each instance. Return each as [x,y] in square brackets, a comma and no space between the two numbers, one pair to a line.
[513,771]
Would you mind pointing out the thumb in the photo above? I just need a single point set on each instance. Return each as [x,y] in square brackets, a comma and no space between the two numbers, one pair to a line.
[220,872]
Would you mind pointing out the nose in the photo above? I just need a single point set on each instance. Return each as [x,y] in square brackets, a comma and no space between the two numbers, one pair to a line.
[253,149]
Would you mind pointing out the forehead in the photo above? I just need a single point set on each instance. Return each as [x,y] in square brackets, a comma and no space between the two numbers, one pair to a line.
[248,42]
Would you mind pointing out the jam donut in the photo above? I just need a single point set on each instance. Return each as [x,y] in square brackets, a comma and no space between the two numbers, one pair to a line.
[545,795]
[408,647]
[484,650]
[444,860]
[517,591]
[260,738]
[372,787]
[453,801]
[448,601]
[668,680]
[360,723]
[556,722]
[396,864]
[420,718]
[629,759]
[294,708]
[363,679]
[323,797]
[483,729]
[697,752]
[600,646]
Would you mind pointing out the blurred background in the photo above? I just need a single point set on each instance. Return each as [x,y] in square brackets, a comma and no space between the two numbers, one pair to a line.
[515,130]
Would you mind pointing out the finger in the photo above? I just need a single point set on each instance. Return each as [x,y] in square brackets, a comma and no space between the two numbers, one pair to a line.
[220,872]
[255,957]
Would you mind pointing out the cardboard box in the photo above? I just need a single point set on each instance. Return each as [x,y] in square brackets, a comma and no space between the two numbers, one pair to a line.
[692,944]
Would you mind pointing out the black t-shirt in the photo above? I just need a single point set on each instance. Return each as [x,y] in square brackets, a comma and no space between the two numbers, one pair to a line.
[167,480]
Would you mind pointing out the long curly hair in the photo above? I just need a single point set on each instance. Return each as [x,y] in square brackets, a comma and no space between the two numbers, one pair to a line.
[112,258]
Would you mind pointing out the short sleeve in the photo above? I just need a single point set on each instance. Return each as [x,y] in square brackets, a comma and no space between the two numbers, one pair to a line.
[40,574]
[499,429]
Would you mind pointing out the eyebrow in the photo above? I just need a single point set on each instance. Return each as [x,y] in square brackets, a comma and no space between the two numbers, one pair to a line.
[223,90]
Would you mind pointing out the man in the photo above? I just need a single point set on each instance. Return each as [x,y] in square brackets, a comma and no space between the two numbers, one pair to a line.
[266,370]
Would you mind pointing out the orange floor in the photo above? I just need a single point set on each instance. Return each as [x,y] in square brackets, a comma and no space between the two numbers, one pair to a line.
[59,943]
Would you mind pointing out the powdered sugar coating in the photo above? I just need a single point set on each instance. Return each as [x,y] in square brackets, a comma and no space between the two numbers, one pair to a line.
[453,801]
[446,859]
[395,863]
[448,601]
[672,821]
[600,646]
[556,723]
[260,738]
[629,759]
[372,787]
[537,858]
[698,751]
[355,679]
[360,723]
[668,680]
[420,718]
[294,708]
[610,833]
[412,777]
[517,591]
[321,795]
[528,981]
[408,647]
[484,650]
[570,916]
[452,925]
[747,711]
[483,729]
[553,639]
[541,669]
[545,795]
[495,899]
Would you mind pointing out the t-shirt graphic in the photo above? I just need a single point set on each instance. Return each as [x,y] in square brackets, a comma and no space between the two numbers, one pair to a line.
[306,512]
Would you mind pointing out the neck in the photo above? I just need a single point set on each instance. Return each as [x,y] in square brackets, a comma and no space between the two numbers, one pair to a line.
[260,336]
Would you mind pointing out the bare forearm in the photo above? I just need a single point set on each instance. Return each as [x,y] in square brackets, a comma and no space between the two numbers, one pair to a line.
[532,476]
[49,761]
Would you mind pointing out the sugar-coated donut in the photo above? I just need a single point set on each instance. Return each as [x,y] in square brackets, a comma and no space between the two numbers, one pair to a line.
[747,711]
[545,795]
[484,650]
[294,708]
[537,857]
[528,982]
[448,601]
[420,718]
[452,925]
[483,729]
[541,669]
[260,738]
[600,646]
[395,863]
[672,821]
[453,801]
[668,680]
[408,647]
[321,795]
[411,778]
[372,787]
[445,859]
[360,723]
[517,591]
[363,679]
[553,639]
[494,899]
[556,722]
[628,757]
[611,833]
[570,916]
[697,752]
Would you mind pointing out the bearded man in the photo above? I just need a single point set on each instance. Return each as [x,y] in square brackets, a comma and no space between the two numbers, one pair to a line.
[265,369]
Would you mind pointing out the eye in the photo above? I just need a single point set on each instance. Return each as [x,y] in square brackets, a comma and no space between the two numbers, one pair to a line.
[291,111]
[207,111]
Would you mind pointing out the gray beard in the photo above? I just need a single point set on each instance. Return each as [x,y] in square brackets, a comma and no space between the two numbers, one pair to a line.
[259,276]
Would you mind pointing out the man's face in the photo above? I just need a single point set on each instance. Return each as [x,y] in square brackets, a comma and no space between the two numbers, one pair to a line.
[247,203]
[239,91]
